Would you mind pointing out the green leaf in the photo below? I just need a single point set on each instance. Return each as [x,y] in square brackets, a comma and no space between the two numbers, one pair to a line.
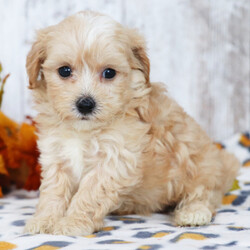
[235,185]
[5,78]
[2,89]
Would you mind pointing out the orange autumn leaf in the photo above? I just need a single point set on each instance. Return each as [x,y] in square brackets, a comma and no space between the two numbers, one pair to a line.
[18,154]
[7,122]
[33,181]
[8,141]
[3,170]
[27,137]
[27,144]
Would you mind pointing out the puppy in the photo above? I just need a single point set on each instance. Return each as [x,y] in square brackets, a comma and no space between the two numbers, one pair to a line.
[110,140]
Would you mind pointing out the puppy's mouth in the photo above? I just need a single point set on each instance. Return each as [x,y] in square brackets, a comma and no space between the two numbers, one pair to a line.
[85,118]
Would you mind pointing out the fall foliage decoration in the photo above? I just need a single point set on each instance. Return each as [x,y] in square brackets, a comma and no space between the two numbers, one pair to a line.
[18,151]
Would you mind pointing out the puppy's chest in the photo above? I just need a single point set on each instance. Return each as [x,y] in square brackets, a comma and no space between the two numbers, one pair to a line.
[83,153]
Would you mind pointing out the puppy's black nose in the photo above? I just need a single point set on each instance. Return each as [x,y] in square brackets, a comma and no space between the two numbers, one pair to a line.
[85,105]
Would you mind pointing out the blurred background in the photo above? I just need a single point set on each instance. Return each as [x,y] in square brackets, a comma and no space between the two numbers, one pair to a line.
[199,48]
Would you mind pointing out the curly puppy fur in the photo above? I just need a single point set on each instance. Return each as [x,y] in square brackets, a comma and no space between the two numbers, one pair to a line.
[138,152]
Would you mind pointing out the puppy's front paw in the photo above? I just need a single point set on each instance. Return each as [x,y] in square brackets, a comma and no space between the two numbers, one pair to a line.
[193,216]
[73,226]
[39,224]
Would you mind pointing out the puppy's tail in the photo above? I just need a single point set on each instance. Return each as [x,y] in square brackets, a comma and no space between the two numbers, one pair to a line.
[231,166]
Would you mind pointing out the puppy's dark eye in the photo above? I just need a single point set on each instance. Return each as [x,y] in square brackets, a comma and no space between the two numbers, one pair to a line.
[65,71]
[108,73]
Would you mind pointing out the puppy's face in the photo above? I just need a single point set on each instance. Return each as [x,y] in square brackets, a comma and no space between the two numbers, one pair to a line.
[90,67]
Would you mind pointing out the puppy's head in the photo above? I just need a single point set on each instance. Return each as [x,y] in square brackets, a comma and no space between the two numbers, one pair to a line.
[90,67]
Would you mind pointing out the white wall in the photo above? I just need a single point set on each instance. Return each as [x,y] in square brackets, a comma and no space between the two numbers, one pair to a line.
[200,49]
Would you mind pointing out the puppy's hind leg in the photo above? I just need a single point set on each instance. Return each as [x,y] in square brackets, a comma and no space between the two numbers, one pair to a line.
[197,208]
[198,204]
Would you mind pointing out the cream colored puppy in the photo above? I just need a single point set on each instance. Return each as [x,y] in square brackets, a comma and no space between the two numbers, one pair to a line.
[110,140]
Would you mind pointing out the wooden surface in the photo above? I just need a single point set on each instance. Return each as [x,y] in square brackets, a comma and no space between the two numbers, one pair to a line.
[199,49]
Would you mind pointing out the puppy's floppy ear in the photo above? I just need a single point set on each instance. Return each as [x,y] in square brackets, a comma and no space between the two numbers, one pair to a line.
[35,59]
[138,46]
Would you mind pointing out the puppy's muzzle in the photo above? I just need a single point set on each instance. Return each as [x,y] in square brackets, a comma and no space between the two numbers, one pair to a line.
[85,105]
